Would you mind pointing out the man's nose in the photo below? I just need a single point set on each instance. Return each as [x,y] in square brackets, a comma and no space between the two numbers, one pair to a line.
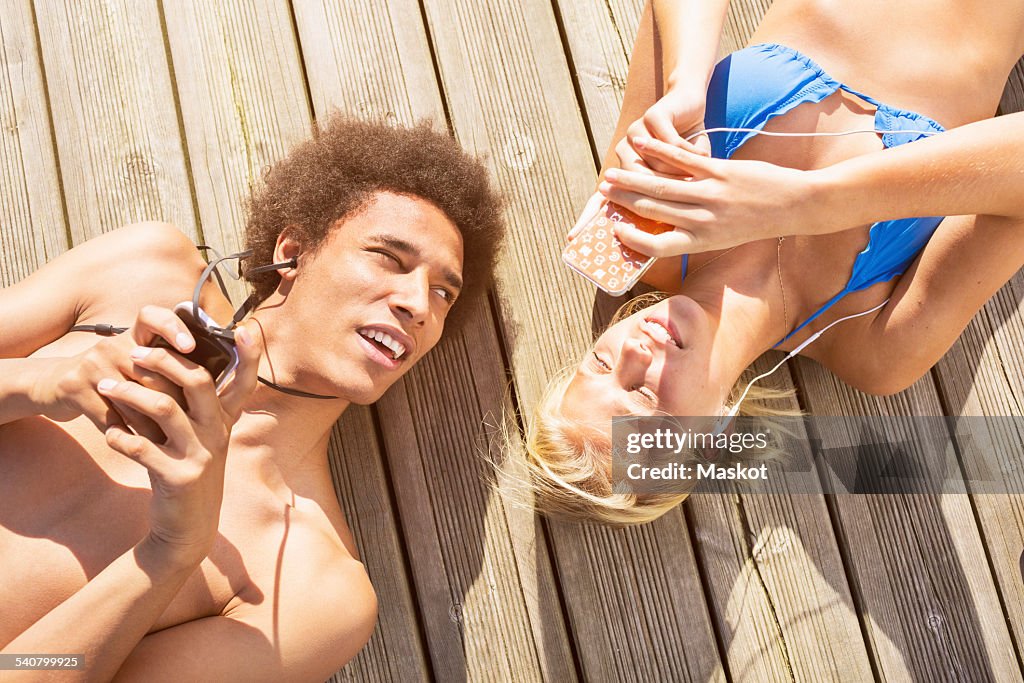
[411,298]
[634,359]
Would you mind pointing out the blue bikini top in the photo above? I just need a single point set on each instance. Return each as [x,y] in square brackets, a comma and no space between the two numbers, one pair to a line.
[754,85]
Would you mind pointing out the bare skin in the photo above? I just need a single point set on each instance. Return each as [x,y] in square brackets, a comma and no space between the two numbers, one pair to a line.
[281,593]
[740,294]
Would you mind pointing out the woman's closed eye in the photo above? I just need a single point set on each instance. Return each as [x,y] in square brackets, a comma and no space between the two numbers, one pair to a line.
[649,397]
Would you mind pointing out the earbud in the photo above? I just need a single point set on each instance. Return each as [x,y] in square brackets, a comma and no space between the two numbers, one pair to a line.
[728,413]
[290,263]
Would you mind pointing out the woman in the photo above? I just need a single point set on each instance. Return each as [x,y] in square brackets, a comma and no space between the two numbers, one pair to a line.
[907,287]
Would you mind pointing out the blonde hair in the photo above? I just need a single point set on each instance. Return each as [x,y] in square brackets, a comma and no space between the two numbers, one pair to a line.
[567,459]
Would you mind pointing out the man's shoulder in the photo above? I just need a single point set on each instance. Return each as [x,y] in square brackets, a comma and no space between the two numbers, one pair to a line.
[136,263]
[150,246]
[145,243]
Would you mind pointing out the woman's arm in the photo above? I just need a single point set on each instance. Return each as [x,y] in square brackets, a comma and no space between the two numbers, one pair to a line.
[666,88]
[964,264]
[689,33]
[975,169]
[673,58]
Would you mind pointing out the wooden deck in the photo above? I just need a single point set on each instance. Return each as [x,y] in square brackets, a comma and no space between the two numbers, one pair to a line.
[114,111]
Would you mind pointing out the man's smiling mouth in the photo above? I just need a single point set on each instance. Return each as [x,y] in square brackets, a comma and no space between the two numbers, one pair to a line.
[385,342]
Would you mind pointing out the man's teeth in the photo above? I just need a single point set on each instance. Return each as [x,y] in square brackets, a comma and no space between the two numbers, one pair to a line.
[385,339]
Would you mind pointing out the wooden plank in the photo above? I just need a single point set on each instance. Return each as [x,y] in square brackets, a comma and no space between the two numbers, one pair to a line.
[369,59]
[114,115]
[930,607]
[243,100]
[395,651]
[484,584]
[934,607]
[507,88]
[628,593]
[740,24]
[775,577]
[32,229]
[600,40]
[240,85]
[982,375]
[490,606]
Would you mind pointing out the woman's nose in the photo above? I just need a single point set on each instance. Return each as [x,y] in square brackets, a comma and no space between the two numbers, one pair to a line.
[634,359]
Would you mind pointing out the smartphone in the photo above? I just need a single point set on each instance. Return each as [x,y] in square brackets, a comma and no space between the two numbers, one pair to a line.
[217,354]
[596,254]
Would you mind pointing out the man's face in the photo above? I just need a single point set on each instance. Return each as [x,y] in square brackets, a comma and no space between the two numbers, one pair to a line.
[373,300]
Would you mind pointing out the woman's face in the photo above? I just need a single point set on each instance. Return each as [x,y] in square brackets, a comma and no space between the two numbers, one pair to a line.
[658,360]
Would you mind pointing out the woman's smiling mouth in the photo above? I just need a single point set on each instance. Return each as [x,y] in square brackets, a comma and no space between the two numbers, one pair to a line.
[662,332]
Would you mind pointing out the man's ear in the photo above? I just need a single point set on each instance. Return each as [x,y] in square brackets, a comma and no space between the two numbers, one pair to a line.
[286,249]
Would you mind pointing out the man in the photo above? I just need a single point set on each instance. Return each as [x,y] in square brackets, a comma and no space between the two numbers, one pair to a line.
[170,532]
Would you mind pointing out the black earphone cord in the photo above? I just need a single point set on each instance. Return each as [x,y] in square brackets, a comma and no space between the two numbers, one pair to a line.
[108,330]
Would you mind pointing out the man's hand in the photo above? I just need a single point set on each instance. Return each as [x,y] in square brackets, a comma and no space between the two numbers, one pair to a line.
[187,469]
[67,388]
[716,203]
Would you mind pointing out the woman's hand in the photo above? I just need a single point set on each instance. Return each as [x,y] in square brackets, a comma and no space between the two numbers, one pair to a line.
[716,203]
[675,117]
[186,469]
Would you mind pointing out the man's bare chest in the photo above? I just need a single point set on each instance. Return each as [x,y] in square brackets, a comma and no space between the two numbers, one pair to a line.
[70,506]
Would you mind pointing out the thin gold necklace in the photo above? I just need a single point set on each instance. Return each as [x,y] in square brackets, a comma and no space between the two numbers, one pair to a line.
[778,261]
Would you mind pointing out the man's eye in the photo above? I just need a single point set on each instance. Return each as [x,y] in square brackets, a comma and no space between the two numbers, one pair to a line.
[386,255]
[445,294]
[601,363]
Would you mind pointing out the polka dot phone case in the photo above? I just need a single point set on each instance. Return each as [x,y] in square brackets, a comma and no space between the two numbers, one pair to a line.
[597,255]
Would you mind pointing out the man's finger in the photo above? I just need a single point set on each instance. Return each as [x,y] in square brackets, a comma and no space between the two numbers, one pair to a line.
[191,381]
[241,386]
[673,243]
[160,408]
[154,380]
[101,413]
[138,448]
[155,321]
